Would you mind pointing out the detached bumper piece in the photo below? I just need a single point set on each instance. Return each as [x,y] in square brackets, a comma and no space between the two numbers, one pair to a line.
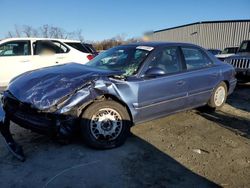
[12,146]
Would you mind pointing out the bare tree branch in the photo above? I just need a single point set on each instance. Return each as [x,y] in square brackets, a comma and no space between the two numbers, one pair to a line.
[17,31]
[27,30]
[45,31]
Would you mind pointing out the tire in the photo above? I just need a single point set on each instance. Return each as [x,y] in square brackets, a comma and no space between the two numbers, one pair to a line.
[219,96]
[98,128]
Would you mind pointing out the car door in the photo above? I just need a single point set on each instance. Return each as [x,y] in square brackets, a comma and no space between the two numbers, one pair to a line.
[201,75]
[49,53]
[62,54]
[15,58]
[162,94]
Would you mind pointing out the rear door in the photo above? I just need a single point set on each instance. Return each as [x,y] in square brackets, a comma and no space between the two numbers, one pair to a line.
[202,75]
[49,53]
[15,58]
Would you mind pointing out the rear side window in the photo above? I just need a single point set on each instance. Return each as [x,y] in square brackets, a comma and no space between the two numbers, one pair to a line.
[47,47]
[15,48]
[78,46]
[195,58]
[90,47]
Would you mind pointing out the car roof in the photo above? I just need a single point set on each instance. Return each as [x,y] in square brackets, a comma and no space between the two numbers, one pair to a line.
[27,38]
[159,44]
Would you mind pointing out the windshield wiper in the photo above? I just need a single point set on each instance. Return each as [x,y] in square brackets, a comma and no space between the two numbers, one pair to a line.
[120,77]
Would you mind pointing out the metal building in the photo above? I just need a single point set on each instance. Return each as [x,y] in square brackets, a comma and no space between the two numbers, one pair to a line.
[209,34]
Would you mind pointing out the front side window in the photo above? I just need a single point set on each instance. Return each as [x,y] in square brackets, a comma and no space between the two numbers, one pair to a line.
[123,58]
[15,48]
[195,58]
[167,59]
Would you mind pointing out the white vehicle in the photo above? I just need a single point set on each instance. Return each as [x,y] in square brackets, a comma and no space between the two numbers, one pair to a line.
[227,52]
[19,55]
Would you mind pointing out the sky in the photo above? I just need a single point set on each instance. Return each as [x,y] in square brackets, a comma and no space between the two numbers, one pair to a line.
[103,19]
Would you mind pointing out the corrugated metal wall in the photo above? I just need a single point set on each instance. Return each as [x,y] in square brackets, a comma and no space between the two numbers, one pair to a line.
[217,35]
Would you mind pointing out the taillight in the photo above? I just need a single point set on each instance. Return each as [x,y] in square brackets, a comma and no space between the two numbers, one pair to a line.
[90,57]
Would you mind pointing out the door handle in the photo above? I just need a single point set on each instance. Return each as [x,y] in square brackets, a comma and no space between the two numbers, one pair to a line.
[181,82]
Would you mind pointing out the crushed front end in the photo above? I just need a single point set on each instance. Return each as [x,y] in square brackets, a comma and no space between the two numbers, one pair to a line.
[43,122]
[50,101]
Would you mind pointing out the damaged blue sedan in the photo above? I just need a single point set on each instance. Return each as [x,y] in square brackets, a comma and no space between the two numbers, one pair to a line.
[125,85]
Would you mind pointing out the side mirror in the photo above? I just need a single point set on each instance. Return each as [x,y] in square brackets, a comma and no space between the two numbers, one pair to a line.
[154,72]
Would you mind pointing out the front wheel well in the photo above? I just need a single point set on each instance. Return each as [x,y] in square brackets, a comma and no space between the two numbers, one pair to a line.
[109,97]
[116,99]
[227,84]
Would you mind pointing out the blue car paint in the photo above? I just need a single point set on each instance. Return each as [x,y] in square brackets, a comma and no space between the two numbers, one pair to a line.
[2,115]
[68,89]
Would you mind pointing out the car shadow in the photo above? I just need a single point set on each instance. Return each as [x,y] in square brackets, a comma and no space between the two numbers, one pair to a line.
[51,164]
[240,98]
[239,125]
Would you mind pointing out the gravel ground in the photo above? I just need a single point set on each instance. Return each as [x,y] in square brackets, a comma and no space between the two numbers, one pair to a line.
[189,149]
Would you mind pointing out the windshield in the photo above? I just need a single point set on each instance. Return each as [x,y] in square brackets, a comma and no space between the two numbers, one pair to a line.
[245,47]
[123,58]
[229,50]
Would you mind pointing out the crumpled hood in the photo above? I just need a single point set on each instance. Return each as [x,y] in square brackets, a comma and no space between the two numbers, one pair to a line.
[45,87]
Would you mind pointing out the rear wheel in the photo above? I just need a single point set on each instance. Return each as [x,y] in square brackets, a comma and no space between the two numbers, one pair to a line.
[218,97]
[105,124]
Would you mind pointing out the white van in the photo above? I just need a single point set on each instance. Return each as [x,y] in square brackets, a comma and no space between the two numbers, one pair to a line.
[19,55]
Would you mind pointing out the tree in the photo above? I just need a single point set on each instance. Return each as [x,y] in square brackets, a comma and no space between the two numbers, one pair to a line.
[44,31]
[115,41]
[49,31]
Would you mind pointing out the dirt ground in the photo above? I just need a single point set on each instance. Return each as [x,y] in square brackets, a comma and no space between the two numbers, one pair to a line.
[188,149]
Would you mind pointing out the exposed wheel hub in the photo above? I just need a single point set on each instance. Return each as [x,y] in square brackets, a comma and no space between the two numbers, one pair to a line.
[106,124]
[220,95]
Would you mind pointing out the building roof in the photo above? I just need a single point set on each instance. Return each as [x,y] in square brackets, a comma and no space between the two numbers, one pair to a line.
[202,22]
[159,43]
